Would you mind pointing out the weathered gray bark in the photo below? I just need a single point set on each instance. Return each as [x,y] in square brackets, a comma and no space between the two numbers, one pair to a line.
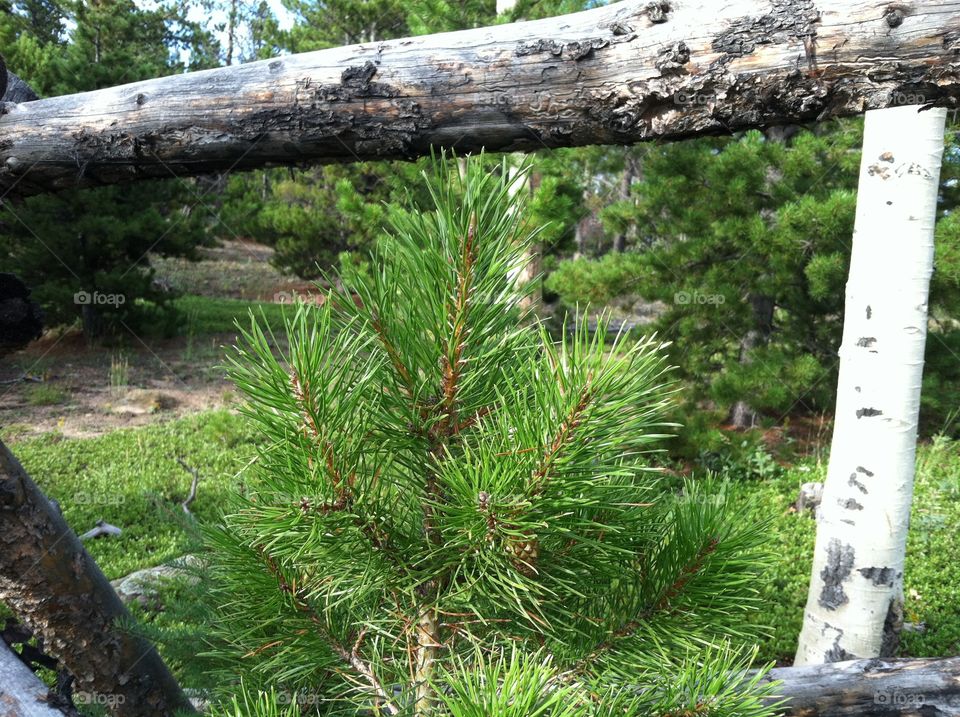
[12,88]
[22,694]
[55,588]
[623,73]
[872,688]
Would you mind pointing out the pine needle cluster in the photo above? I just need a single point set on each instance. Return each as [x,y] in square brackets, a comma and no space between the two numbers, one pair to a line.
[454,514]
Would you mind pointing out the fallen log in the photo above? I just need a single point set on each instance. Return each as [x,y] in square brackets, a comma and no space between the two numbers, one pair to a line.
[878,687]
[53,586]
[631,71]
[22,694]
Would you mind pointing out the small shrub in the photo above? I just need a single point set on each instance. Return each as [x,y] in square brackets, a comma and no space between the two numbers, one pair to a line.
[44,394]
[452,514]
[119,374]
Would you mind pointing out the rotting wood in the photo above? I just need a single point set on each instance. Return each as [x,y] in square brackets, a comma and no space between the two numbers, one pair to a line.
[906,687]
[623,73]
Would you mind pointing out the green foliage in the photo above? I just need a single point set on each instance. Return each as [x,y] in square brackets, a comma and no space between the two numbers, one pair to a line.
[43,394]
[746,243]
[86,475]
[97,241]
[437,480]
[206,315]
[83,254]
[316,216]
[258,704]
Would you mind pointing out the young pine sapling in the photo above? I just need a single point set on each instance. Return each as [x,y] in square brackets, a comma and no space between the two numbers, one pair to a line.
[451,513]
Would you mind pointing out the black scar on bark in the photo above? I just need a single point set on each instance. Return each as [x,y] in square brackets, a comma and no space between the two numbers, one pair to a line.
[657,11]
[672,58]
[852,481]
[851,504]
[840,558]
[869,312]
[576,51]
[356,81]
[892,626]
[866,341]
[868,412]
[359,75]
[880,576]
[787,19]
[836,653]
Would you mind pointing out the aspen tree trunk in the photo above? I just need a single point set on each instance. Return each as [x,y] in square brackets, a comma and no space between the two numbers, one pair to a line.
[854,608]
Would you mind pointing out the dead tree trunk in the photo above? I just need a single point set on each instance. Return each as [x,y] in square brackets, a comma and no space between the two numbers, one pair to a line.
[872,688]
[55,587]
[21,692]
[622,73]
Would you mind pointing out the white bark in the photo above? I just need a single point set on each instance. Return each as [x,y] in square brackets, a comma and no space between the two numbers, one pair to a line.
[856,590]
[22,694]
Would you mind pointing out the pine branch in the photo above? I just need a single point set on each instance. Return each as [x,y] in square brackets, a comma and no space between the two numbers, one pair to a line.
[343,488]
[563,437]
[688,572]
[457,320]
[350,656]
[428,627]
[474,419]
[673,590]
[392,354]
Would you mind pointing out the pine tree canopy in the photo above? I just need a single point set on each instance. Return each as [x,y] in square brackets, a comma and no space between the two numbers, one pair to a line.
[454,514]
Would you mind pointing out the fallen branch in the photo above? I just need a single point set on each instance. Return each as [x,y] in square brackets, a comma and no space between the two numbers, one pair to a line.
[103,528]
[906,687]
[193,485]
[631,71]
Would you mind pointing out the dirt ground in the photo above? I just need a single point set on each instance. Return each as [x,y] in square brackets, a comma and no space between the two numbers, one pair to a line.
[62,383]
[71,387]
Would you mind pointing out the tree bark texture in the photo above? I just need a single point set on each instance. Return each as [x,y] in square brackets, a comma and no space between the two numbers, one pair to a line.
[631,71]
[855,604]
[57,590]
[22,694]
[872,688]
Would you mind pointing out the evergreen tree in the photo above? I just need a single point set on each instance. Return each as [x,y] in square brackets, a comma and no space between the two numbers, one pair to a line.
[85,252]
[317,218]
[746,241]
[452,514]
[31,35]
